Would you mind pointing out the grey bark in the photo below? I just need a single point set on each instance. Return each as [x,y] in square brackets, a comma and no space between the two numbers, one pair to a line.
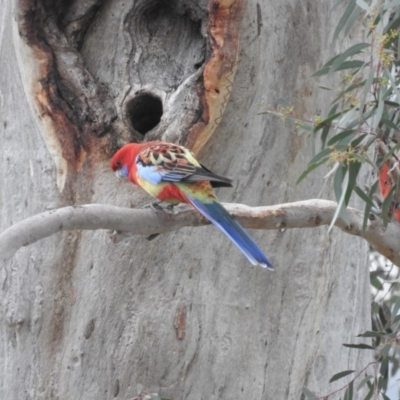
[183,314]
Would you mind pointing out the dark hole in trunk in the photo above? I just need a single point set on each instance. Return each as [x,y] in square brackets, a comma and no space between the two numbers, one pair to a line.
[144,112]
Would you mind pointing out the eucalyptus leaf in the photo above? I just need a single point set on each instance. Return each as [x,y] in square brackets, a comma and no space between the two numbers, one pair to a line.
[348,395]
[310,395]
[363,195]
[349,89]
[361,346]
[340,375]
[341,207]
[359,139]
[370,393]
[328,120]
[340,136]
[353,17]
[353,50]
[396,308]
[364,381]
[368,203]
[372,334]
[343,66]
[311,168]
[345,17]
[390,124]
[363,5]
[379,112]
[320,155]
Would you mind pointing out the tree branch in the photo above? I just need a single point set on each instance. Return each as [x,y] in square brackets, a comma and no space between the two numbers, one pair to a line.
[301,214]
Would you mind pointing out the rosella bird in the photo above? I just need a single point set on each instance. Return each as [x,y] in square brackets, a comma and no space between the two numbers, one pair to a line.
[385,186]
[171,173]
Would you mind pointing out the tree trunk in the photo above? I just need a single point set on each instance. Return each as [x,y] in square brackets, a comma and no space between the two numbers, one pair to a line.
[183,314]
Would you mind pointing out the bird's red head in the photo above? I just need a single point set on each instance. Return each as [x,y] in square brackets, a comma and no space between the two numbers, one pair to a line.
[125,157]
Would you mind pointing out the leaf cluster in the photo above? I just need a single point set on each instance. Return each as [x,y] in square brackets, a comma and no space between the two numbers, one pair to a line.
[362,129]
[365,110]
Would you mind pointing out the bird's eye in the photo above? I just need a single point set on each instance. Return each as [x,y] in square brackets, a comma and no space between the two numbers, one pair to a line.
[118,163]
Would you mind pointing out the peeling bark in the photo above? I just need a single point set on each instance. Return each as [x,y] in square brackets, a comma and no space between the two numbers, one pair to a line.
[75,108]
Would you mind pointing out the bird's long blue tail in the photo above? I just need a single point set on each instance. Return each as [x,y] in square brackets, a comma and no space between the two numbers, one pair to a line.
[217,214]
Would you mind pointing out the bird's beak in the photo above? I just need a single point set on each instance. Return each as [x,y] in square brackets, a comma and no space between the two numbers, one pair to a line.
[122,172]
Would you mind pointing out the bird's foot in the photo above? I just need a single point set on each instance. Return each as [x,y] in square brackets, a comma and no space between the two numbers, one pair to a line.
[157,206]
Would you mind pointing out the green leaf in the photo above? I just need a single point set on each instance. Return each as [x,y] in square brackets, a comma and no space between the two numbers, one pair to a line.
[387,203]
[388,6]
[327,127]
[363,195]
[329,119]
[348,395]
[370,393]
[338,2]
[361,346]
[366,89]
[363,5]
[369,205]
[372,334]
[379,112]
[353,17]
[384,352]
[357,48]
[382,383]
[394,24]
[325,68]
[348,89]
[311,168]
[340,136]
[364,160]
[393,82]
[391,152]
[320,155]
[358,140]
[392,103]
[340,375]
[396,308]
[345,65]
[398,42]
[376,283]
[301,125]
[390,124]
[341,208]
[383,370]
[366,379]
[338,181]
[394,321]
[345,17]
[354,169]
[310,395]
[384,397]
